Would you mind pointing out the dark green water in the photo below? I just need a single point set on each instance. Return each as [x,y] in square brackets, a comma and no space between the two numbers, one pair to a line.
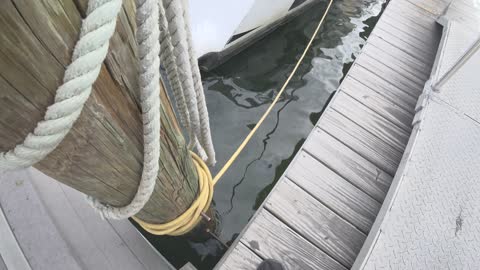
[239,91]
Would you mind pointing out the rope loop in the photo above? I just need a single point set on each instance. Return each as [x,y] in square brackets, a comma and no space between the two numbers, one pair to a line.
[192,216]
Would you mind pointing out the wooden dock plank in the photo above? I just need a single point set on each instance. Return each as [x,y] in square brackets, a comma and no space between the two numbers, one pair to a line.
[402,19]
[363,142]
[390,75]
[394,64]
[271,238]
[410,9]
[415,66]
[408,44]
[2,264]
[408,30]
[348,164]
[378,103]
[373,122]
[241,258]
[316,222]
[333,191]
[383,87]
[433,7]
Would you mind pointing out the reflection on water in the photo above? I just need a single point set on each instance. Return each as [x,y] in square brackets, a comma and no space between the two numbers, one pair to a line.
[239,91]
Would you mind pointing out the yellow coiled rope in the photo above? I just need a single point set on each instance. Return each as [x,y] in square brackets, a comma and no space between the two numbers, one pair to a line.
[192,216]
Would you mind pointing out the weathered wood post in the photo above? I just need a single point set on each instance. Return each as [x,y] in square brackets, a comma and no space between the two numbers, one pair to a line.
[102,155]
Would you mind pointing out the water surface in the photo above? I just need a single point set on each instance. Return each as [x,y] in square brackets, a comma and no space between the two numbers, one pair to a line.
[239,91]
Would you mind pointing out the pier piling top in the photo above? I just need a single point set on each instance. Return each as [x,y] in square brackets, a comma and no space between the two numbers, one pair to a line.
[102,156]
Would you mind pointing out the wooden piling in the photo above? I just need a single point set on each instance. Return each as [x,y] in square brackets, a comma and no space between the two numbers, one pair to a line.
[102,156]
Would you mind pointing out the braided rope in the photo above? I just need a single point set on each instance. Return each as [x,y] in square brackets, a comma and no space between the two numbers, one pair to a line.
[206,134]
[169,62]
[88,55]
[147,36]
[178,36]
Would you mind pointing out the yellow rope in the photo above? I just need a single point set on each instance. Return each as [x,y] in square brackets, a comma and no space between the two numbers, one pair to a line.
[190,218]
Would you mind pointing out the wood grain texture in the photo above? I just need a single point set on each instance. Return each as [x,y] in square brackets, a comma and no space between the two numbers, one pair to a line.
[410,9]
[390,74]
[382,86]
[385,107]
[398,66]
[435,8]
[2,264]
[102,156]
[371,121]
[409,30]
[408,44]
[241,258]
[316,222]
[333,191]
[363,142]
[348,164]
[400,56]
[270,238]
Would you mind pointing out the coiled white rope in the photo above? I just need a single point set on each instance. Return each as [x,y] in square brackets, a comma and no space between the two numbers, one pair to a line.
[148,34]
[188,78]
[89,53]
[206,134]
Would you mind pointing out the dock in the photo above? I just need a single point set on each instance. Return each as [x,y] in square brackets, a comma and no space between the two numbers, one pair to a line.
[320,212]
[45,224]
[430,218]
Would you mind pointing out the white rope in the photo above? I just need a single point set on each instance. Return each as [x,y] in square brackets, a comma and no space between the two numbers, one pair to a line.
[206,134]
[88,55]
[147,36]
[169,62]
[188,76]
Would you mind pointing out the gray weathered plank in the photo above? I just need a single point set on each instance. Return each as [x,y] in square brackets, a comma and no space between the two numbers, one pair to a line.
[363,142]
[408,44]
[408,30]
[338,194]
[9,248]
[434,7]
[385,107]
[332,191]
[376,124]
[241,258]
[414,65]
[32,227]
[348,164]
[389,74]
[382,86]
[2,264]
[392,62]
[270,238]
[411,9]
[316,222]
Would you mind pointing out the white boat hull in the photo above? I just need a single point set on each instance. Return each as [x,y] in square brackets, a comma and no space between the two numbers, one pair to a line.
[222,28]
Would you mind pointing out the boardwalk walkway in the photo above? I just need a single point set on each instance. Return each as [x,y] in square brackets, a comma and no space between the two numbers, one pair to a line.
[320,212]
[47,225]
[430,218]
